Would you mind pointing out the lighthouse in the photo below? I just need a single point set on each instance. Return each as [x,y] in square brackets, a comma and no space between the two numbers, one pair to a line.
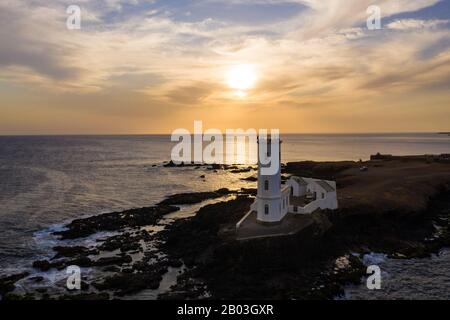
[273,211]
[271,202]
[276,204]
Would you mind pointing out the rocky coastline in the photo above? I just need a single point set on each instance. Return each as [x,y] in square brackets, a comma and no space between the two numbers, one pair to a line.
[399,207]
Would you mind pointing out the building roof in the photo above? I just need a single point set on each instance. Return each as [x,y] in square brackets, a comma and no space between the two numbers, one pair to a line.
[325,185]
[300,180]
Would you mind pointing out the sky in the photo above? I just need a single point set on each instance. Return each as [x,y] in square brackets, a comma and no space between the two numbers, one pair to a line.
[153,66]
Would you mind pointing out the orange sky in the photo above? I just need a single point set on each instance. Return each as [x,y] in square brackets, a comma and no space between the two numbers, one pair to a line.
[315,67]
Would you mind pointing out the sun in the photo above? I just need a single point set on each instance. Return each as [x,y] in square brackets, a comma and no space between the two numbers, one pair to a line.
[241,78]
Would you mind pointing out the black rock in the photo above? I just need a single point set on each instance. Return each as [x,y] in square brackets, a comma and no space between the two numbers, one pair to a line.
[171,164]
[124,242]
[123,284]
[43,265]
[194,197]
[111,269]
[175,263]
[118,260]
[70,252]
[81,262]
[114,221]
[37,279]
[251,192]
[7,283]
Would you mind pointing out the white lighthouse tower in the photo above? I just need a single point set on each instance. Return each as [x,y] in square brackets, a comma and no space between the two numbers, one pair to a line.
[299,196]
[270,206]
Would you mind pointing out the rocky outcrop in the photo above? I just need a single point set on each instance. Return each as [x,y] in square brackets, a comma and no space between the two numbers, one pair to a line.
[129,283]
[117,260]
[300,266]
[263,268]
[319,170]
[114,221]
[391,208]
[7,283]
[125,242]
[70,252]
[250,179]
[194,197]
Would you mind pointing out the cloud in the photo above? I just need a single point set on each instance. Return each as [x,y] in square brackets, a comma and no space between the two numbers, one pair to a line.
[327,16]
[191,94]
[320,55]
[23,45]
[144,37]
[414,24]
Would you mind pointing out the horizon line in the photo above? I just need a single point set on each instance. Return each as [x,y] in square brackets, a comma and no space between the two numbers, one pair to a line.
[168,134]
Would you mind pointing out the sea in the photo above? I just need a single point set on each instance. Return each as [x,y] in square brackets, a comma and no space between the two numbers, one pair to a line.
[47,181]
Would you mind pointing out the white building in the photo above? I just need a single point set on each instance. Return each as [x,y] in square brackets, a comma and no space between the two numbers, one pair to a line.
[298,196]
[306,195]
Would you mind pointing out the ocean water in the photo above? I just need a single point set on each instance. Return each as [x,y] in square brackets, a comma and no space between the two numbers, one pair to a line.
[46,181]
[411,279]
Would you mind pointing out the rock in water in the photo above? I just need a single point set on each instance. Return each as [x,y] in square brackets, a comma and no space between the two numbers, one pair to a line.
[114,221]
[194,197]
[7,283]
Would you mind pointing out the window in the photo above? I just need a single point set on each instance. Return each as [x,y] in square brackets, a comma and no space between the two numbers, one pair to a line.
[266,209]
[266,185]
[295,209]
[323,195]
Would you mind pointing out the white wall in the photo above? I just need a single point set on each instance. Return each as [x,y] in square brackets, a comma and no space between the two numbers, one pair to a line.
[275,213]
[271,197]
[285,194]
[325,200]
[299,189]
